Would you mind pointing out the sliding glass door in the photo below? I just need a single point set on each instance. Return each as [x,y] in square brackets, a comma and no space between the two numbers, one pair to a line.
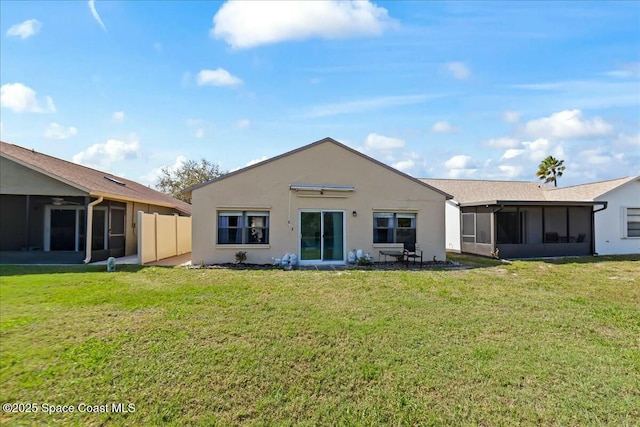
[322,236]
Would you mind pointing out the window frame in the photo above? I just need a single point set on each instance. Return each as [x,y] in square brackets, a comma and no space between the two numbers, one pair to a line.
[395,226]
[626,221]
[243,226]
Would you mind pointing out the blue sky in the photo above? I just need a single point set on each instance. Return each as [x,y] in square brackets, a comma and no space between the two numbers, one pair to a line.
[454,89]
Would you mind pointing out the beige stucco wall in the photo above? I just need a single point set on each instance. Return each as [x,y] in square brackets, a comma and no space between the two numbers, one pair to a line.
[17,179]
[267,187]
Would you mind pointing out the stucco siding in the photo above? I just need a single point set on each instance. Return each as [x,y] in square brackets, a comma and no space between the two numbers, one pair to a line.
[610,223]
[266,187]
[18,179]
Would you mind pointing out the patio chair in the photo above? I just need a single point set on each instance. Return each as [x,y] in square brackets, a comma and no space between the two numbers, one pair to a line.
[581,238]
[551,237]
[411,252]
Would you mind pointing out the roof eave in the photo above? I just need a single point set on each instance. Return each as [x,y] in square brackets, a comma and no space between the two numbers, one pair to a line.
[531,203]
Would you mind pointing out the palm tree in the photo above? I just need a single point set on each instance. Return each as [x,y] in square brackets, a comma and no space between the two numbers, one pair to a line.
[550,170]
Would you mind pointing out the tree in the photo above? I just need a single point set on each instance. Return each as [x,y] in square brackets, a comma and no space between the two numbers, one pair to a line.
[550,170]
[190,173]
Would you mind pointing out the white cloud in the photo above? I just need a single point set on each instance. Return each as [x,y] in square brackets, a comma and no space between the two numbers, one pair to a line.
[596,156]
[510,171]
[102,155]
[96,16]
[540,148]
[568,124]
[22,99]
[632,140]
[364,105]
[511,153]
[511,116]
[382,143]
[626,71]
[199,133]
[460,161]
[243,123]
[254,161]
[504,142]
[217,77]
[118,117]
[247,24]
[405,165]
[152,176]
[57,131]
[25,29]
[443,127]
[459,70]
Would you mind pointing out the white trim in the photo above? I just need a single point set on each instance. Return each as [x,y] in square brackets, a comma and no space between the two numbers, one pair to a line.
[316,187]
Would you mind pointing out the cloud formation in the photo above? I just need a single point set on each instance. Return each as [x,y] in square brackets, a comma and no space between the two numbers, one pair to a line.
[382,143]
[458,70]
[443,127]
[22,99]
[96,16]
[460,166]
[248,24]
[118,117]
[57,131]
[568,124]
[217,77]
[25,29]
[364,105]
[103,154]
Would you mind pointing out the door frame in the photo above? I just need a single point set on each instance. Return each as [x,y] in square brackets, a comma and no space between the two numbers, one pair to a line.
[344,238]
[79,211]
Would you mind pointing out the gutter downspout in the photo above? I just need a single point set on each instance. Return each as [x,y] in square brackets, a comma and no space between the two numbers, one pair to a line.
[593,227]
[89,225]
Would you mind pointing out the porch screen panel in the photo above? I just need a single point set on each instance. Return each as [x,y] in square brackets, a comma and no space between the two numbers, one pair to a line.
[483,227]
[555,225]
[468,227]
[580,224]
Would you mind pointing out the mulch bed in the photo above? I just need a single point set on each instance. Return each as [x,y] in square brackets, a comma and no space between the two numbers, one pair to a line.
[429,265]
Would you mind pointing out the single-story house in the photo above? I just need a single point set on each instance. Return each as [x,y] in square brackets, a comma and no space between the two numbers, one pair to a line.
[617,229]
[529,219]
[319,202]
[52,210]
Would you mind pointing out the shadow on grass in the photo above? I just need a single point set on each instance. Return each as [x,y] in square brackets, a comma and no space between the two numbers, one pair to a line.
[592,259]
[21,270]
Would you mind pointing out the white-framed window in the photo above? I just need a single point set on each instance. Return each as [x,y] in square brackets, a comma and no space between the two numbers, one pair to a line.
[243,227]
[391,227]
[631,222]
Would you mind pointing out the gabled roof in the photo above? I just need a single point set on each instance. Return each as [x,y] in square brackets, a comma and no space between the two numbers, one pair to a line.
[93,182]
[470,192]
[313,144]
[590,191]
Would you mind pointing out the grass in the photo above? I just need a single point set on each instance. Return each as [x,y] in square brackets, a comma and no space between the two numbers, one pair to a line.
[528,343]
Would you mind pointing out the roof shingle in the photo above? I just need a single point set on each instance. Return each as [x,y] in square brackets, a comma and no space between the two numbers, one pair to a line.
[93,181]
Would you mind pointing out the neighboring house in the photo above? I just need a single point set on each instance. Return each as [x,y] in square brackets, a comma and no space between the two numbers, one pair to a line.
[319,202]
[617,229]
[519,219]
[54,210]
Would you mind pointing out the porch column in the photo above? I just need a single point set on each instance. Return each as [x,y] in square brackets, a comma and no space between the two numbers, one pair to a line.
[26,224]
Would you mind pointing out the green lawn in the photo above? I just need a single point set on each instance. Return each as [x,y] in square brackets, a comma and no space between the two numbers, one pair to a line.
[527,343]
